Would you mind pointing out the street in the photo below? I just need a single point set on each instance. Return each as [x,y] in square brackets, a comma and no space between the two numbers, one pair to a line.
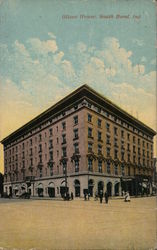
[78,224]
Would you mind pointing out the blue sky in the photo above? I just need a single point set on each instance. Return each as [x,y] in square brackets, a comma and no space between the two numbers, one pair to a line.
[43,56]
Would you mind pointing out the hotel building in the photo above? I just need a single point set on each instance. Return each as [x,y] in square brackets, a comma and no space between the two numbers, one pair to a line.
[83,143]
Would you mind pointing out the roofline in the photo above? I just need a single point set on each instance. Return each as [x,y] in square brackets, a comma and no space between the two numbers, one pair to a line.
[89,89]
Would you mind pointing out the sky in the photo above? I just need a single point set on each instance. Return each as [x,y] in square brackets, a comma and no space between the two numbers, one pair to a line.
[49,48]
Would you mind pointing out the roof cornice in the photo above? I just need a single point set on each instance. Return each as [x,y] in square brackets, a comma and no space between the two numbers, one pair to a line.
[76,95]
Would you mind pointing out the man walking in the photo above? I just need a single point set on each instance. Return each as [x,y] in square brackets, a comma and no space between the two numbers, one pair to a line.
[106,197]
[101,196]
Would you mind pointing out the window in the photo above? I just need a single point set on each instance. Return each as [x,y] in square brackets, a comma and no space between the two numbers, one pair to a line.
[40,148]
[122,145]
[128,135]
[122,156]
[128,157]
[57,140]
[99,123]
[99,149]
[134,139]
[63,125]
[40,137]
[115,131]
[76,107]
[139,161]
[76,133]
[90,147]
[89,105]
[122,133]
[51,171]
[99,136]
[108,152]
[108,139]
[108,168]
[108,127]
[134,159]
[50,144]
[89,132]
[143,152]
[116,142]
[90,164]
[100,166]
[64,139]
[40,158]
[31,161]
[89,118]
[116,169]
[143,143]
[75,119]
[76,148]
[76,165]
[31,142]
[64,152]
[64,167]
[31,153]
[128,147]
[115,154]
[51,155]
[50,131]
[134,149]
[23,146]
[143,162]
[122,170]
[138,141]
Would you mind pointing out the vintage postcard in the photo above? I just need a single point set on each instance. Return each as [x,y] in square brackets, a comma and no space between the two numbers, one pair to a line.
[78,124]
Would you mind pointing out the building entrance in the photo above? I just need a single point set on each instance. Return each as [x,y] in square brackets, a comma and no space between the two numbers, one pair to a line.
[77,188]
[100,187]
[116,189]
[109,188]
[90,187]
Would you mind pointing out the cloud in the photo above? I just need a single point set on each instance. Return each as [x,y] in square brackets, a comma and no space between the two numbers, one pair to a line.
[51,35]
[138,42]
[43,47]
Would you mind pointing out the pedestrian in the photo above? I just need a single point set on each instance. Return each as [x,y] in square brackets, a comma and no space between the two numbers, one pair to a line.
[96,196]
[88,196]
[127,197]
[106,197]
[72,196]
[85,196]
[101,196]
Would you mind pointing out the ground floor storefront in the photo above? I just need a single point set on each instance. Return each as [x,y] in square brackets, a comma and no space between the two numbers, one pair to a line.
[81,184]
